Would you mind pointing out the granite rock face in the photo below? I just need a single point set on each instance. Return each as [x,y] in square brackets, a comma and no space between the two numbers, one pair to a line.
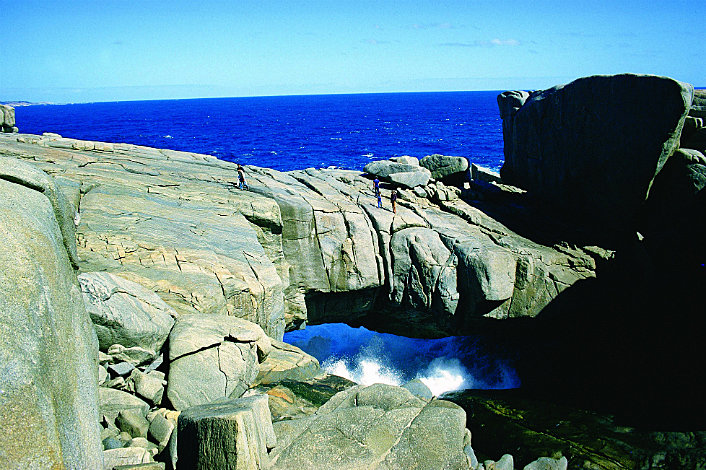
[7,119]
[595,145]
[303,246]
[445,168]
[127,314]
[48,363]
[377,427]
[213,357]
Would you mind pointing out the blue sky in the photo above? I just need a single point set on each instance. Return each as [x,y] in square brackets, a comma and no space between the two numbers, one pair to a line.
[105,50]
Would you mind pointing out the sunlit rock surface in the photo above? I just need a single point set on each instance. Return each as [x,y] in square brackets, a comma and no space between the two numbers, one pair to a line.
[303,246]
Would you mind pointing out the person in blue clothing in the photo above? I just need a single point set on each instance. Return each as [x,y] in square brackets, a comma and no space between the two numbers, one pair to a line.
[376,189]
[241,178]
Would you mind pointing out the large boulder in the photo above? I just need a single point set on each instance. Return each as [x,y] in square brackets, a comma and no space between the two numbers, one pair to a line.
[48,349]
[408,175]
[444,167]
[127,314]
[595,145]
[7,118]
[410,179]
[287,362]
[212,357]
[375,427]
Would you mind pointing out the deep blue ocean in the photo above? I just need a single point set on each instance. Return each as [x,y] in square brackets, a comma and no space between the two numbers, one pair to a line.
[291,132]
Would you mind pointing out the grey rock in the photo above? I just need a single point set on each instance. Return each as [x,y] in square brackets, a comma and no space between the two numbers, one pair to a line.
[548,463]
[102,374]
[506,462]
[443,167]
[424,271]
[287,362]
[149,386]
[410,179]
[478,173]
[384,168]
[112,443]
[142,466]
[376,427]
[212,357]
[121,368]
[418,389]
[48,402]
[126,313]
[160,430]
[226,434]
[624,142]
[114,401]
[114,458]
[133,422]
[406,159]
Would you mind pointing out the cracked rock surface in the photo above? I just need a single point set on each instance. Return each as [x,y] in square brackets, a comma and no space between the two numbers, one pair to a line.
[213,357]
[302,246]
[375,427]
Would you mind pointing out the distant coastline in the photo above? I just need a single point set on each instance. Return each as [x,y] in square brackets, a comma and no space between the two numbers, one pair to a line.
[17,104]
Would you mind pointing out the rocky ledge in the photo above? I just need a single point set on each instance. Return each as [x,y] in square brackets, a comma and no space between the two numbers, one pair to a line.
[143,293]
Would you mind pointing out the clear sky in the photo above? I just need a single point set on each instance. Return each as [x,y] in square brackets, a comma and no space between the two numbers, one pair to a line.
[106,50]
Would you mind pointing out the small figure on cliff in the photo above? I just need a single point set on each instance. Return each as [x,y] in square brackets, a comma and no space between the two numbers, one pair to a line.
[376,189]
[393,199]
[241,178]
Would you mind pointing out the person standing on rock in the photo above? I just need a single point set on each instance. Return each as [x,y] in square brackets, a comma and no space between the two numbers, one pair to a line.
[393,199]
[241,178]
[376,189]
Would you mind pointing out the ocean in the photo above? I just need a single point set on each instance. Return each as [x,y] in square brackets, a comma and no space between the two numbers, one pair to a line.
[291,132]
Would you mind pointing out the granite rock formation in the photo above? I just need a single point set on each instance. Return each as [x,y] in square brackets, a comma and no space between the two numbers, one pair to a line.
[48,363]
[7,119]
[595,145]
[380,427]
[303,246]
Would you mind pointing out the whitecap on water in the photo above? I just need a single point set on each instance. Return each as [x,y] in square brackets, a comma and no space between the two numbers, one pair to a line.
[367,357]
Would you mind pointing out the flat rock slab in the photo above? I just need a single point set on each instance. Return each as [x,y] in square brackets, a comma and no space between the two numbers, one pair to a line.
[375,427]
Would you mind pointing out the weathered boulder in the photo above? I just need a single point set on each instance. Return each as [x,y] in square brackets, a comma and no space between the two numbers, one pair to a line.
[406,159]
[404,172]
[410,179]
[287,362]
[384,168]
[212,357]
[595,145]
[376,427]
[227,434]
[126,313]
[7,118]
[48,350]
[113,401]
[444,167]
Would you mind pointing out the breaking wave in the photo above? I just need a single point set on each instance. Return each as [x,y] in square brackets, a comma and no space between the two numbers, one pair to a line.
[445,364]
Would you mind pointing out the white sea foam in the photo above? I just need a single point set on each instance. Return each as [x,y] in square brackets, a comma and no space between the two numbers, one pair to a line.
[366,357]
